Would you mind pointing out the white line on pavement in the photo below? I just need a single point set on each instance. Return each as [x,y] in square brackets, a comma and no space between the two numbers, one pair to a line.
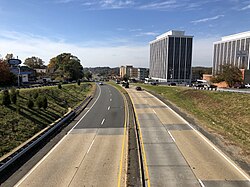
[103,121]
[201,183]
[109,108]
[171,136]
[90,146]
[110,99]
[154,111]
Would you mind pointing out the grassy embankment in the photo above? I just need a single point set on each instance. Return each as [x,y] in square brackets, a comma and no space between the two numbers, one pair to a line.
[227,114]
[118,86]
[19,123]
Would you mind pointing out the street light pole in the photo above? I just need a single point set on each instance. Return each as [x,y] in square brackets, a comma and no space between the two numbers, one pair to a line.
[18,76]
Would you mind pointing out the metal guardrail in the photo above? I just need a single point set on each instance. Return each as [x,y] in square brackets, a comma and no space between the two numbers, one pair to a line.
[38,139]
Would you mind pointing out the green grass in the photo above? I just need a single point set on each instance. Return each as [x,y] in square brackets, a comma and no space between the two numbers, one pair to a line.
[222,112]
[118,86]
[19,123]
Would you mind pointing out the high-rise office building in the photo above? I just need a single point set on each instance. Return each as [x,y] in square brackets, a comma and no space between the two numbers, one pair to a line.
[122,71]
[171,57]
[143,73]
[125,70]
[232,50]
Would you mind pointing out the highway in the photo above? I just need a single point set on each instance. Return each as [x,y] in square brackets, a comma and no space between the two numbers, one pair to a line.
[92,153]
[175,154]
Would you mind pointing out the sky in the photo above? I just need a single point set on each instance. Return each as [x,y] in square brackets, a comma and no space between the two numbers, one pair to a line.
[115,32]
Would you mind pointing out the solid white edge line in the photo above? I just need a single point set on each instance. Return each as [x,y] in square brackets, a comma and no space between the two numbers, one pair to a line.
[90,146]
[87,111]
[103,121]
[201,183]
[207,141]
[171,136]
[25,177]
[154,111]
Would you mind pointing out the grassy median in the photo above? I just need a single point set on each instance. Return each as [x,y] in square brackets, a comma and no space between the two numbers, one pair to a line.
[225,113]
[19,122]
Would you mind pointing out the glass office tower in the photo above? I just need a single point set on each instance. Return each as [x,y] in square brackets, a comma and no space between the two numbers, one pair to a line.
[171,57]
[232,50]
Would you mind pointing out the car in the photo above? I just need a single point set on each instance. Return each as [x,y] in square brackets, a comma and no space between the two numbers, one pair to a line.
[247,85]
[210,86]
[138,88]
[172,84]
[239,86]
[123,83]
[100,83]
[153,83]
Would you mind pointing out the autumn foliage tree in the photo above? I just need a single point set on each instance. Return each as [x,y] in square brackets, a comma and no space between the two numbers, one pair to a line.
[6,77]
[34,62]
[66,67]
[230,74]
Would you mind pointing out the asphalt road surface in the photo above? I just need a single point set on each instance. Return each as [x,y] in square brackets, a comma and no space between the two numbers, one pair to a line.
[91,153]
[175,154]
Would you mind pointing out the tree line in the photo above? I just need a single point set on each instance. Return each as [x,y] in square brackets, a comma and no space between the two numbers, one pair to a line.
[63,67]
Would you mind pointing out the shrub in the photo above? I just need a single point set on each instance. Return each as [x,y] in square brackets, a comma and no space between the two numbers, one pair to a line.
[42,102]
[30,104]
[18,109]
[6,98]
[78,82]
[45,103]
[35,95]
[17,92]
[13,95]
[59,86]
[39,102]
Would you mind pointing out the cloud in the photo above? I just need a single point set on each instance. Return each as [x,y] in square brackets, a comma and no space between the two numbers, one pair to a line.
[136,4]
[135,30]
[160,5]
[207,19]
[148,34]
[65,1]
[106,4]
[116,4]
[27,45]
[246,7]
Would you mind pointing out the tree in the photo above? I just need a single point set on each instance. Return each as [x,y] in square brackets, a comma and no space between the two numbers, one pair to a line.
[125,78]
[230,74]
[59,86]
[8,57]
[34,62]
[88,75]
[7,77]
[198,72]
[66,67]
[6,98]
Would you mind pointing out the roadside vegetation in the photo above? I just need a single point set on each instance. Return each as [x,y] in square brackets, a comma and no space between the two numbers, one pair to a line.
[25,112]
[117,86]
[224,113]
